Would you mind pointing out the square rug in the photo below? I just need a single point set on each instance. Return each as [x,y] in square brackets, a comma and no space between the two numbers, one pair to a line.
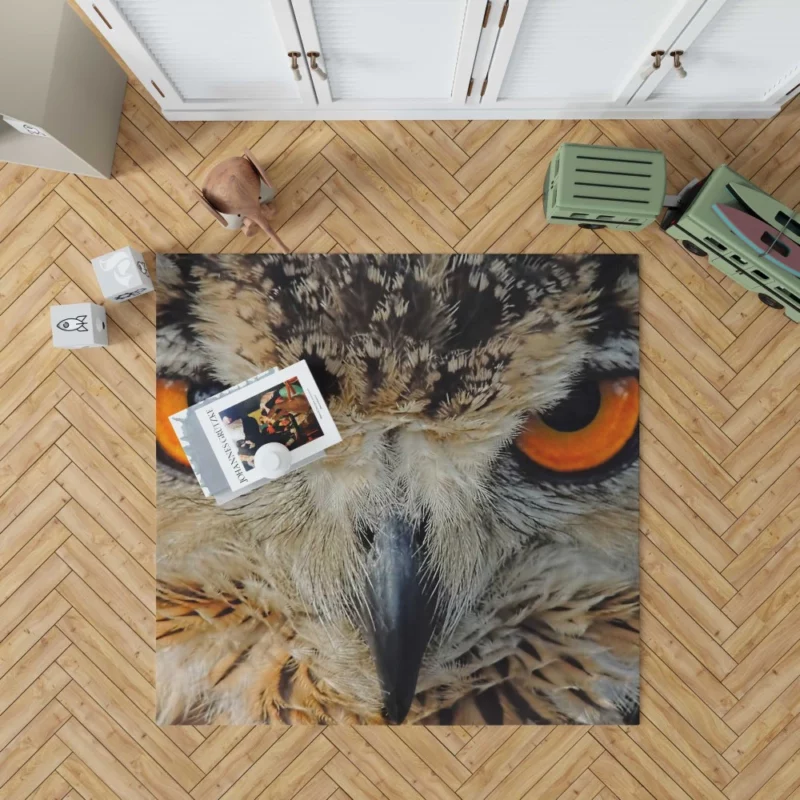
[468,554]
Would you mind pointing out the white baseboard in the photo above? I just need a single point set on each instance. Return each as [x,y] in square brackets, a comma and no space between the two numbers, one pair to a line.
[650,111]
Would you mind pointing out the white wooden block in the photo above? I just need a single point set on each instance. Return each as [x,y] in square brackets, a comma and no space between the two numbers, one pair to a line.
[122,274]
[78,325]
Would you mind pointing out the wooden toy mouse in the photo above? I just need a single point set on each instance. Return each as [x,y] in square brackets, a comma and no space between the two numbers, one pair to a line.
[237,192]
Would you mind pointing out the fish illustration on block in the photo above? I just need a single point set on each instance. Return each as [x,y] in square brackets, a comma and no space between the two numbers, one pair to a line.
[763,238]
[77,324]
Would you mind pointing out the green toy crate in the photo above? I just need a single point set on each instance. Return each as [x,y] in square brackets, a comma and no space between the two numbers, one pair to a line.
[700,230]
[605,187]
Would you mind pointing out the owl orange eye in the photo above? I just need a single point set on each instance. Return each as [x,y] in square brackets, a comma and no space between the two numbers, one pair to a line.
[591,427]
[171,396]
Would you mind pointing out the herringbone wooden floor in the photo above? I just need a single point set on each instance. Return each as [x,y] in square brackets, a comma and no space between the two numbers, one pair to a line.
[720,506]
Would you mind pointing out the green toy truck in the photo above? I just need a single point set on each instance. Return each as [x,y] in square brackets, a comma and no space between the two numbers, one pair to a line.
[605,187]
[612,187]
[695,224]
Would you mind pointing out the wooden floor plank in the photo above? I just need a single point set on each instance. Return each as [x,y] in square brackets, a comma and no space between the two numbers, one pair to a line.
[12,176]
[109,516]
[437,143]
[677,585]
[27,197]
[429,171]
[363,217]
[92,574]
[770,137]
[351,781]
[619,782]
[691,634]
[29,230]
[775,719]
[678,150]
[31,629]
[106,223]
[704,142]
[115,558]
[231,765]
[554,747]
[435,755]
[113,442]
[684,736]
[19,277]
[209,134]
[700,497]
[501,763]
[781,422]
[30,738]
[424,219]
[682,555]
[115,700]
[300,150]
[90,759]
[510,172]
[144,189]
[120,744]
[639,764]
[30,485]
[153,161]
[493,152]
[30,535]
[771,604]
[681,445]
[136,108]
[39,294]
[475,134]
[269,766]
[111,631]
[38,768]
[685,413]
[408,763]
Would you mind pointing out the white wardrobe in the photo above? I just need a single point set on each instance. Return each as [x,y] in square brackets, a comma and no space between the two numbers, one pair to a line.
[439,59]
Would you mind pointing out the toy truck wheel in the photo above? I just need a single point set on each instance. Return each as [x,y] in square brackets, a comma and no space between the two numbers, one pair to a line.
[769,301]
[592,226]
[693,248]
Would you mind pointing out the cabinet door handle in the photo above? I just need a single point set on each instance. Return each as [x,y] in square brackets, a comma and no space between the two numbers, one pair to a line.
[312,57]
[676,61]
[294,55]
[657,55]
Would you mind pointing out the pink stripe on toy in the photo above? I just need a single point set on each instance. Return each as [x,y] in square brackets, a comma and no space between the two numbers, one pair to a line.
[764,239]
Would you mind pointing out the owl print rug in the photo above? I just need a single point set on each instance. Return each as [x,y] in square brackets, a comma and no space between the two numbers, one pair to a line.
[468,553]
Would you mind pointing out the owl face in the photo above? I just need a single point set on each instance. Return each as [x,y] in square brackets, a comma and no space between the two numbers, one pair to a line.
[487,477]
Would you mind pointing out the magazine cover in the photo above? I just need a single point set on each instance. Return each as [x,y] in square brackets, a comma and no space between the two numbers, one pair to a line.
[222,434]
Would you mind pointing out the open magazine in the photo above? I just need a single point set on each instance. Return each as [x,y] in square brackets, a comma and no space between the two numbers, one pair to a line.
[222,434]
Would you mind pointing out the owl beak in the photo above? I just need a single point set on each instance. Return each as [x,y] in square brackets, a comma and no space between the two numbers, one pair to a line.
[398,619]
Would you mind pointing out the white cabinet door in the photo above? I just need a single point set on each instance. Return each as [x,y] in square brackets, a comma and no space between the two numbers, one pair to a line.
[735,51]
[576,53]
[208,54]
[385,54]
